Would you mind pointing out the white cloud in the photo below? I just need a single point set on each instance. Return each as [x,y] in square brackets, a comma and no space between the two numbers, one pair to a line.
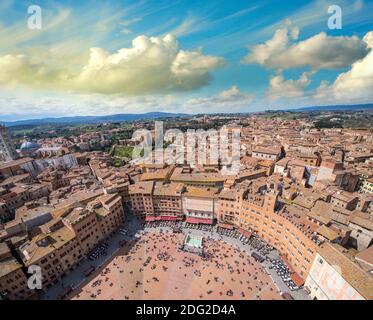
[126,31]
[42,104]
[150,65]
[264,52]
[313,15]
[318,52]
[281,88]
[190,25]
[353,86]
[17,33]
[358,81]
[228,101]
[128,22]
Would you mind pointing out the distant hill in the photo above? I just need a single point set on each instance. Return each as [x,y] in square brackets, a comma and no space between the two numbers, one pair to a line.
[157,115]
[354,107]
[95,119]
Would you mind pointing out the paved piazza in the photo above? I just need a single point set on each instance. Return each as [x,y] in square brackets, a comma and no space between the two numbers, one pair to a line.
[153,267]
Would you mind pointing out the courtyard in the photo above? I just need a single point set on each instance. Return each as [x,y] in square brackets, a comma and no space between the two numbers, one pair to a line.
[152,266]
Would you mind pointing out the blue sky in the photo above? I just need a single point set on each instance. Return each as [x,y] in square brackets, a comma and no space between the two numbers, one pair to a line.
[105,57]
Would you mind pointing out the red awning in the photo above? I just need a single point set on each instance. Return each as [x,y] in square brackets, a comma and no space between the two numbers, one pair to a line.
[298,280]
[198,220]
[245,233]
[225,226]
[286,261]
[160,218]
[166,218]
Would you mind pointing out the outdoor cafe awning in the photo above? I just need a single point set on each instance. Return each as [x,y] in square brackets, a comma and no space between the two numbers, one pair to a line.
[245,233]
[160,218]
[166,218]
[298,280]
[225,226]
[286,261]
[198,220]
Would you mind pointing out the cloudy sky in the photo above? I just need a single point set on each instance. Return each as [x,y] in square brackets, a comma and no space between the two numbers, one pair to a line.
[107,57]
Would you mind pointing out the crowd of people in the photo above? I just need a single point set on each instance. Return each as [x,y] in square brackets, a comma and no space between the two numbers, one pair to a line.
[152,266]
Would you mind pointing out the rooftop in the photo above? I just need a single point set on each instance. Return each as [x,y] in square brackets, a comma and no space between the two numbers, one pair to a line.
[45,244]
[14,163]
[144,187]
[267,150]
[203,177]
[327,233]
[8,265]
[201,192]
[360,280]
[170,189]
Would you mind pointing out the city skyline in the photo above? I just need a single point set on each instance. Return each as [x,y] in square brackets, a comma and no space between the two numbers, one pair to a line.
[189,57]
[282,210]
[195,154]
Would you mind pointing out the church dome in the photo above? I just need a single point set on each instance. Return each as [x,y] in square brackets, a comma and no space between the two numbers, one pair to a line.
[28,145]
